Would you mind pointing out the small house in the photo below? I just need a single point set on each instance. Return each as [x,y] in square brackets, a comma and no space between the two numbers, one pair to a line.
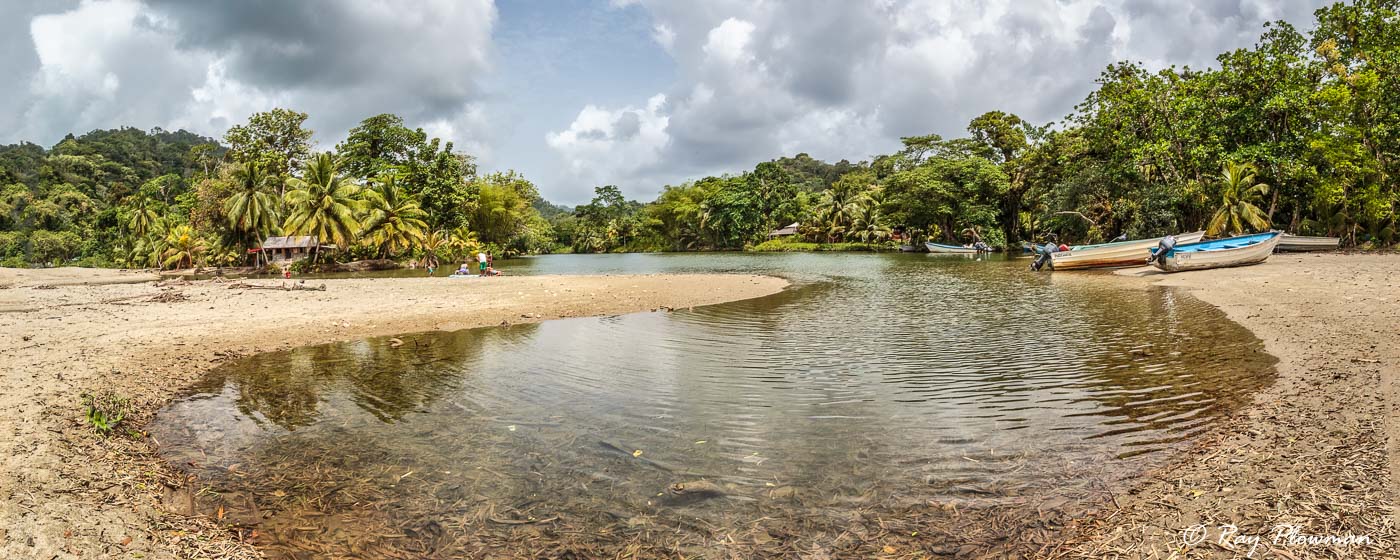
[289,248]
[788,231]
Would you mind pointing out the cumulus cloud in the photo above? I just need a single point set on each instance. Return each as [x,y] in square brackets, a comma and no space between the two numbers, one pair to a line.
[206,65]
[842,79]
[602,143]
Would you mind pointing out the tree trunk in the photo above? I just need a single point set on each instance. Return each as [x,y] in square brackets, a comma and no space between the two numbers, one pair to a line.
[1273,204]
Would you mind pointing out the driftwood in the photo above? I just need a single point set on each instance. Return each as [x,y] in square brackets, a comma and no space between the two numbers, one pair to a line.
[284,287]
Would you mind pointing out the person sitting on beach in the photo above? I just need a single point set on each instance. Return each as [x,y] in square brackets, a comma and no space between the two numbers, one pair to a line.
[463,270]
[490,271]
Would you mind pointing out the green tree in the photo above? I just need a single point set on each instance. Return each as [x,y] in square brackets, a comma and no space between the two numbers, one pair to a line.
[275,140]
[393,223]
[323,203]
[1239,194]
[252,209]
[52,246]
[143,216]
[183,248]
[439,177]
[504,210]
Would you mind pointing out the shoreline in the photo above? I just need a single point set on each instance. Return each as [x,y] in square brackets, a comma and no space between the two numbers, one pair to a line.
[1318,450]
[66,493]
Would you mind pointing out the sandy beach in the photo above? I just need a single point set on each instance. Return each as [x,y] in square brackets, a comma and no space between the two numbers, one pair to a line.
[1317,449]
[1316,454]
[65,493]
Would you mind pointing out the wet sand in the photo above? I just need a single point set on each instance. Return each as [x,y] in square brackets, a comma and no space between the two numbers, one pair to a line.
[1318,450]
[65,493]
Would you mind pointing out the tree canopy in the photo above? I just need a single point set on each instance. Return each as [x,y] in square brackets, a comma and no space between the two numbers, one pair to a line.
[1299,132]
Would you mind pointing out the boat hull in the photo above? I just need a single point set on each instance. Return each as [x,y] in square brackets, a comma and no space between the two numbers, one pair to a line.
[1253,253]
[1301,243]
[949,249]
[1113,255]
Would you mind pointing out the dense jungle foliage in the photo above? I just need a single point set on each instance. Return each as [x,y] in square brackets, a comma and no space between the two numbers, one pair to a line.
[1298,133]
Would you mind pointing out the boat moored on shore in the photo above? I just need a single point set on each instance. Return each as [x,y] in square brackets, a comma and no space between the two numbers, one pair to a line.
[950,249]
[1111,255]
[1219,253]
[1302,243]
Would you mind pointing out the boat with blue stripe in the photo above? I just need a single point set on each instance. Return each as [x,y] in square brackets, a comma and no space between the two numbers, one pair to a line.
[1219,253]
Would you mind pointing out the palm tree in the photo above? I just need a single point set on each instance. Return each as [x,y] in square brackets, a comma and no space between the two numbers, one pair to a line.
[150,250]
[394,220]
[837,210]
[1238,197]
[434,245]
[142,216]
[182,247]
[252,210]
[867,225]
[462,241]
[323,203]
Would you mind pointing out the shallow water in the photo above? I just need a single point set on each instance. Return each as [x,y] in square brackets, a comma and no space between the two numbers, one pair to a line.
[877,383]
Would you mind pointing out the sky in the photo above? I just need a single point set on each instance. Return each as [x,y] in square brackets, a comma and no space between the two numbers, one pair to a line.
[581,93]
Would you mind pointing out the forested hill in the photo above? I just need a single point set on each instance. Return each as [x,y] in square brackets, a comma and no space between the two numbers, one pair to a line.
[1300,132]
[61,202]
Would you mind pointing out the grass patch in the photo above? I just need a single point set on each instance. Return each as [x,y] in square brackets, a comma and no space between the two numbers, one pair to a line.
[786,246]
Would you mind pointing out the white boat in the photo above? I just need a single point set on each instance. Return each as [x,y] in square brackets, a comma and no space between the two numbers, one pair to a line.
[1304,243]
[950,249]
[1116,254]
[1220,253]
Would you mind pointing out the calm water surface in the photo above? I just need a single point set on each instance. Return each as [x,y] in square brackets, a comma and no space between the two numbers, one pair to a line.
[876,381]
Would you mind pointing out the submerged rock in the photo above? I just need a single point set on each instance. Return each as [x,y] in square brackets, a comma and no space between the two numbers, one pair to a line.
[686,493]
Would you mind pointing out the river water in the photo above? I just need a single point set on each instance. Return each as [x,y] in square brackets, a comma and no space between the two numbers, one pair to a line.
[878,391]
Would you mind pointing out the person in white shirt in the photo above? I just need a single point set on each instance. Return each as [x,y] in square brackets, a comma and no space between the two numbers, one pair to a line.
[481,263]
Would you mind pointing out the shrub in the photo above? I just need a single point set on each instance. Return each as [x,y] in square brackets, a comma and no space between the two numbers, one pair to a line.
[781,245]
[105,411]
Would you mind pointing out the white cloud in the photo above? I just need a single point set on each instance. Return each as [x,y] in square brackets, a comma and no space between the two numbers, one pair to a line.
[105,61]
[728,42]
[206,65]
[602,143]
[662,34]
[842,79]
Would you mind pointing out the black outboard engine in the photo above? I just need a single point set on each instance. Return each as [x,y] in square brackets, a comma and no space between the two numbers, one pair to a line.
[1166,244]
[1044,256]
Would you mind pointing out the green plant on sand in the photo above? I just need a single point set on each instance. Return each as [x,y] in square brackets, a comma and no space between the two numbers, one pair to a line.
[105,411]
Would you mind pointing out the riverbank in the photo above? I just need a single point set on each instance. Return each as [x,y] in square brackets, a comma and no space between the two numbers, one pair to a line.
[1319,450]
[64,493]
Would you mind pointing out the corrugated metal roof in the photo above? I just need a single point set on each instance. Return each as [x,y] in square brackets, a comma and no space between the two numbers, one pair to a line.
[791,229]
[290,242]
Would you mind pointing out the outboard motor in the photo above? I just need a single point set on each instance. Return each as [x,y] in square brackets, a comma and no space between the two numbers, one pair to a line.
[1044,256]
[1166,244]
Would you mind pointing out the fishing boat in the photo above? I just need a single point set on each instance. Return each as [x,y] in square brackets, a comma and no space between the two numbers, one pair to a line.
[1300,243]
[949,249]
[1220,253]
[1115,254]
